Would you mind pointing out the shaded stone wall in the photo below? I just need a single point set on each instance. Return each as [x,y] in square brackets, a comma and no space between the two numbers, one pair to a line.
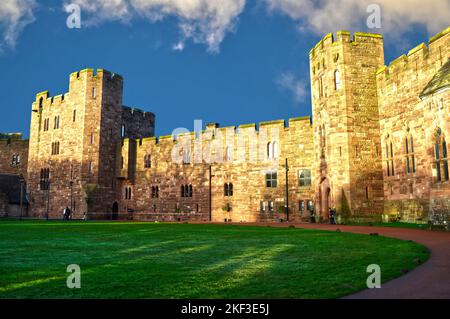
[137,123]
[13,145]
[403,115]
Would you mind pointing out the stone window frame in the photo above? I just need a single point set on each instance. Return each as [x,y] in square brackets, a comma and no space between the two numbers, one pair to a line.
[55,148]
[15,160]
[187,191]
[273,150]
[46,124]
[228,189]
[44,181]
[128,193]
[304,181]
[155,191]
[441,157]
[389,158]
[271,179]
[337,80]
[410,153]
[147,161]
[56,123]
[228,154]
[301,206]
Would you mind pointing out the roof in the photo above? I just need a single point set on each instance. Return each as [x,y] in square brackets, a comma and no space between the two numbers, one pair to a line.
[10,186]
[440,81]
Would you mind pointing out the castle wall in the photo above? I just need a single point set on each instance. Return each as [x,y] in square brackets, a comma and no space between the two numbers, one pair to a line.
[246,170]
[346,127]
[12,145]
[404,115]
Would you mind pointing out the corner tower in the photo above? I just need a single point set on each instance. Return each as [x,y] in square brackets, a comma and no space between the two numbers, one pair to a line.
[348,173]
[73,144]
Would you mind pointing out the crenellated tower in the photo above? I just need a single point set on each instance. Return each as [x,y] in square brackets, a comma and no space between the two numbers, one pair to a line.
[74,143]
[348,172]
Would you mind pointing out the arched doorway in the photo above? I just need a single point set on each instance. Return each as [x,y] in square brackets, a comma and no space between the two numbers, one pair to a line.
[115,211]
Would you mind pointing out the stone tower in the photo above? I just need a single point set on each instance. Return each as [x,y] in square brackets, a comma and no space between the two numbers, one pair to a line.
[74,142]
[348,172]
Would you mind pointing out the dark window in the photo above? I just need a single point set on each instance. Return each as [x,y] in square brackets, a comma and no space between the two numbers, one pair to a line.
[410,158]
[147,161]
[44,182]
[55,148]
[310,206]
[56,123]
[271,179]
[228,189]
[155,191]
[390,159]
[74,115]
[304,177]
[301,206]
[441,158]
[128,193]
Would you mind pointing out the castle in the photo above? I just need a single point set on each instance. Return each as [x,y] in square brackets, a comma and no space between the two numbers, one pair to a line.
[375,149]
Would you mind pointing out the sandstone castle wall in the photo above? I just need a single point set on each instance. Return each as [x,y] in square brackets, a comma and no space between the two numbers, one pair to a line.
[370,150]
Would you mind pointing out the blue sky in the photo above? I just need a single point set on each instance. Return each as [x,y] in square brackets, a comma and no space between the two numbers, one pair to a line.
[255,70]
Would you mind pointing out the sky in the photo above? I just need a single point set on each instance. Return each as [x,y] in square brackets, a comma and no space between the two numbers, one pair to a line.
[227,61]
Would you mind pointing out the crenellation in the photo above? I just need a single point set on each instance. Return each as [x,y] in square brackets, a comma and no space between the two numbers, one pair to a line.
[105,158]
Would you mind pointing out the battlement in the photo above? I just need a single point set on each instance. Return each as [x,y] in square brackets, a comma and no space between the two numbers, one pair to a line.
[137,112]
[99,73]
[304,122]
[345,38]
[416,56]
[11,136]
[83,75]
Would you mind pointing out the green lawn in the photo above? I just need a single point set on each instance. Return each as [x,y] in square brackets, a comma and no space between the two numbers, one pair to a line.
[147,260]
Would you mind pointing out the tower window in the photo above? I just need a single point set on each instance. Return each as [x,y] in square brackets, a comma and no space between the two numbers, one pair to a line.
[441,158]
[410,158]
[56,123]
[337,80]
[272,150]
[74,117]
[390,170]
[55,148]
[147,161]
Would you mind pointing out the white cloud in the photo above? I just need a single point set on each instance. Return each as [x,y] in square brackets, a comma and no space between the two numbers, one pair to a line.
[298,88]
[330,15]
[15,15]
[201,21]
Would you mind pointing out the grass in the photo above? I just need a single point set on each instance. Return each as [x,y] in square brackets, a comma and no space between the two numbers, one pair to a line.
[147,260]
